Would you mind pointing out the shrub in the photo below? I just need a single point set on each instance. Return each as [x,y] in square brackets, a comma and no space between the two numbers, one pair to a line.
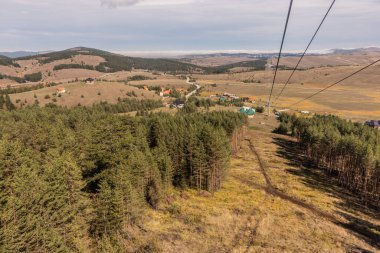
[35,77]
[260,109]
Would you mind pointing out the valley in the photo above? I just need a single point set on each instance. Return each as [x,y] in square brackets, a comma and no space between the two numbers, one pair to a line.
[160,160]
[189,126]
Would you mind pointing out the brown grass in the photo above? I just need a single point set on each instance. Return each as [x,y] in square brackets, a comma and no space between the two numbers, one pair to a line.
[163,80]
[66,75]
[331,60]
[100,91]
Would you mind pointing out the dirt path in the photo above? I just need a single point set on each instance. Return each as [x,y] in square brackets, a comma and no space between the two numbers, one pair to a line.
[272,191]
[261,164]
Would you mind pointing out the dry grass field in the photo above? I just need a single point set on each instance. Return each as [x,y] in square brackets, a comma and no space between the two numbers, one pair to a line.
[357,98]
[298,212]
[84,94]
[153,79]
[331,60]
[48,72]
[112,87]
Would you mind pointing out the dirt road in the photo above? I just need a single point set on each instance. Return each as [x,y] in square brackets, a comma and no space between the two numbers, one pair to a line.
[194,91]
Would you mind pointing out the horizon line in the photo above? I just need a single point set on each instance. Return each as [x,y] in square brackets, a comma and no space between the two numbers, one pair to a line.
[177,53]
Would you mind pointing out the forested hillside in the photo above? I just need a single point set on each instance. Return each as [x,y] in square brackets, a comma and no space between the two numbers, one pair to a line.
[113,62]
[35,77]
[72,179]
[255,65]
[5,61]
[349,151]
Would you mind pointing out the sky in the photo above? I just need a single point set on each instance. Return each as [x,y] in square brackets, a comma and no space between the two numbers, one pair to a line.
[185,25]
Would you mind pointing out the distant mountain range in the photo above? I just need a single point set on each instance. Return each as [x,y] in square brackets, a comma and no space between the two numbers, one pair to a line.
[241,55]
[356,50]
[264,54]
[18,54]
[256,55]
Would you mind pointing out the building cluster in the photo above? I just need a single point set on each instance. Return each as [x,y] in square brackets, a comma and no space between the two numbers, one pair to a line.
[225,97]
[90,81]
[373,123]
[249,111]
[166,92]
[61,90]
[169,92]
[178,103]
[232,97]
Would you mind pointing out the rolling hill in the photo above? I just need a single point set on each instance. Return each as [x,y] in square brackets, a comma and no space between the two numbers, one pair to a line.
[113,62]
[6,61]
[81,63]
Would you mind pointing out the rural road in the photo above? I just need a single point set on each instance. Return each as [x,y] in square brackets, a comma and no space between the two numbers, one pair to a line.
[194,91]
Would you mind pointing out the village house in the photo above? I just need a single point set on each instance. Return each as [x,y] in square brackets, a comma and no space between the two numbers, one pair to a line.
[374,124]
[249,111]
[178,103]
[248,99]
[90,81]
[166,93]
[227,97]
[222,99]
[61,90]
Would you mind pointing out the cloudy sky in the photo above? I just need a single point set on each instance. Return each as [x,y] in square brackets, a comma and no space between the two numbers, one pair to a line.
[184,25]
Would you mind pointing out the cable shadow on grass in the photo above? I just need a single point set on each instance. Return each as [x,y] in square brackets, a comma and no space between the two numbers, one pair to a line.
[317,178]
